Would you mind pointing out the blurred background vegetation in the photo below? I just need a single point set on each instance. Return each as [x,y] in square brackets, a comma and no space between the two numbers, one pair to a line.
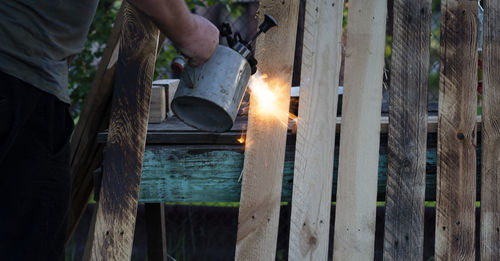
[85,64]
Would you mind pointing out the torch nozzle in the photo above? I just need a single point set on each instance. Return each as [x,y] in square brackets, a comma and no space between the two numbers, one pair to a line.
[267,24]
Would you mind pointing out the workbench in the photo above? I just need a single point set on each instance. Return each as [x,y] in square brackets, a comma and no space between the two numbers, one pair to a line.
[184,165]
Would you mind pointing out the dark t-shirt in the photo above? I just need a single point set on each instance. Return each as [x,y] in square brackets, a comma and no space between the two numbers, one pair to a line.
[38,36]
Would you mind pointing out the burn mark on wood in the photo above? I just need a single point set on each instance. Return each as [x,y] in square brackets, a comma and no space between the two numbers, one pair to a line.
[119,194]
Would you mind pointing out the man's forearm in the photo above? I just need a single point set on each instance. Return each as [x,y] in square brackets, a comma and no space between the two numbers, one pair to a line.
[193,35]
[171,16]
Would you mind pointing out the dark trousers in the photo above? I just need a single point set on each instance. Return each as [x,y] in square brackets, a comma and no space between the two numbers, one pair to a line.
[35,178]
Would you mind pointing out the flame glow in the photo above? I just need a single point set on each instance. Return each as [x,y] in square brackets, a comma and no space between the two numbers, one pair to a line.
[269,101]
[269,98]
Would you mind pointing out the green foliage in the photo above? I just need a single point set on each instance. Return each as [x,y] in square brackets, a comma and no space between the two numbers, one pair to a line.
[434,50]
[84,66]
[163,60]
[234,9]
[436,5]
[344,14]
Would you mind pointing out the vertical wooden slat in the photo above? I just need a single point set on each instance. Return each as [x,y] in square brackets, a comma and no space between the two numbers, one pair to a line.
[405,194]
[157,234]
[314,153]
[490,165]
[117,206]
[360,132]
[456,170]
[86,152]
[266,138]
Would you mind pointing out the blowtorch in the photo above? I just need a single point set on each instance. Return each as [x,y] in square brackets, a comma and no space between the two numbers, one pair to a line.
[209,96]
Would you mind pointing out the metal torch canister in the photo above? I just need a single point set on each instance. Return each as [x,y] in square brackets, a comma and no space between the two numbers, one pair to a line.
[209,96]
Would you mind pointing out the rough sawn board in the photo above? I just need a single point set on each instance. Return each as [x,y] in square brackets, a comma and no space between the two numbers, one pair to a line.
[113,232]
[405,194]
[266,138]
[315,143]
[490,171]
[456,171]
[354,237]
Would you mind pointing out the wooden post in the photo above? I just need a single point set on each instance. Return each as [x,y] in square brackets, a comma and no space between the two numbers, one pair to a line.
[354,237]
[456,171]
[490,172]
[158,105]
[86,152]
[407,140]
[314,153]
[266,138]
[113,232]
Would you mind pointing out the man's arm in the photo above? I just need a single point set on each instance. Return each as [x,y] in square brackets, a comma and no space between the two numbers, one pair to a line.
[193,35]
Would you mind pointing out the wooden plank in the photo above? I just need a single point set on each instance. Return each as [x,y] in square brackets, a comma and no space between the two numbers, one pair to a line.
[315,143]
[86,152]
[194,174]
[207,173]
[456,174]
[170,89]
[117,206]
[266,137]
[155,225]
[174,125]
[407,138]
[158,106]
[359,141]
[167,136]
[490,172]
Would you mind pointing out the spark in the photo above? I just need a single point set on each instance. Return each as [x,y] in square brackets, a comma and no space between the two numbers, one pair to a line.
[269,100]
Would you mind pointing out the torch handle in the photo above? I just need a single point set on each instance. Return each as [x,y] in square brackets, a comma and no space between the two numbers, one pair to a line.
[178,63]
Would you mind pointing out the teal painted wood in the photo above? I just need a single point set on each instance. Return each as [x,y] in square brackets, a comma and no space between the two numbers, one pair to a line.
[197,173]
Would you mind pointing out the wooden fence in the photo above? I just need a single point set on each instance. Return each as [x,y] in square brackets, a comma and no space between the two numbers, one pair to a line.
[359,139]
[357,185]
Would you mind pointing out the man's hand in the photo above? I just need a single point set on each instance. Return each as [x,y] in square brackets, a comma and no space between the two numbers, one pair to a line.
[201,43]
[193,35]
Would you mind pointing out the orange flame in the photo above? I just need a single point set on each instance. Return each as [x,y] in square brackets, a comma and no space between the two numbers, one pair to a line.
[269,100]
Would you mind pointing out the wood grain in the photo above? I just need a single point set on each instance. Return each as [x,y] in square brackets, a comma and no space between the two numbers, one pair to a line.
[117,207]
[490,171]
[407,139]
[175,125]
[360,131]
[456,173]
[315,143]
[86,152]
[170,86]
[266,138]
[158,105]
[201,173]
